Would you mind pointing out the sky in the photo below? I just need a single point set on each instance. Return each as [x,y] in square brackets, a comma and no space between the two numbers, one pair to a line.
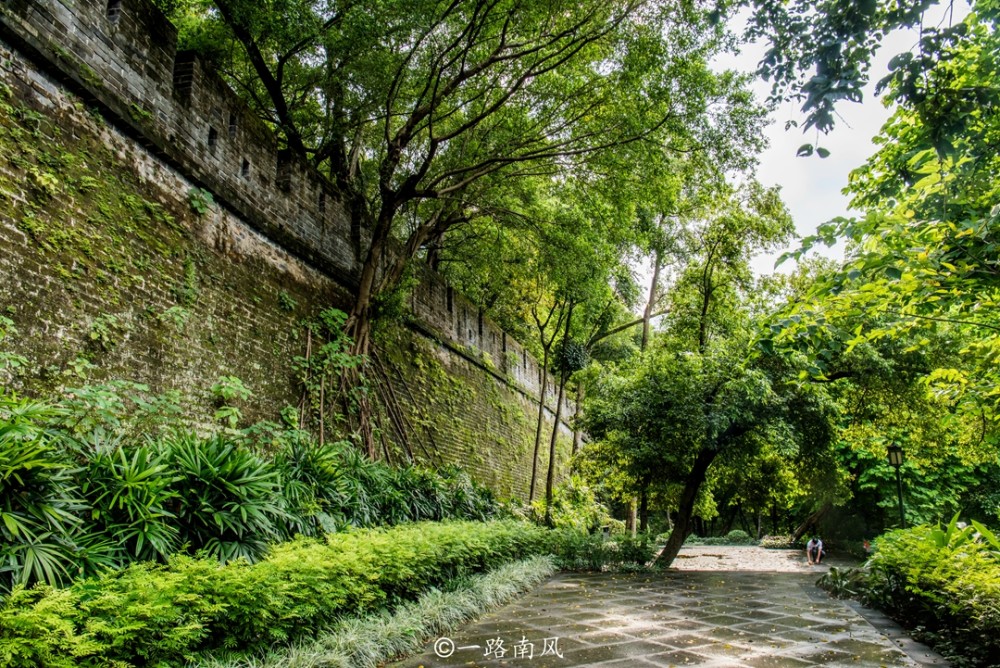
[811,186]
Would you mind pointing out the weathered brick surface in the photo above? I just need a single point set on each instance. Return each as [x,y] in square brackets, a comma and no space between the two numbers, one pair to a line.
[193,297]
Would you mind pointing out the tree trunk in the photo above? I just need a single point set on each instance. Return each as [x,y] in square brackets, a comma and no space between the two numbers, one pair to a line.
[685,508]
[550,479]
[727,526]
[576,418]
[541,419]
[630,519]
[811,521]
[644,507]
[744,522]
[647,314]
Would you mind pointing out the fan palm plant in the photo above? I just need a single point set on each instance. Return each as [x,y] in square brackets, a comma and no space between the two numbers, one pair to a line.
[39,500]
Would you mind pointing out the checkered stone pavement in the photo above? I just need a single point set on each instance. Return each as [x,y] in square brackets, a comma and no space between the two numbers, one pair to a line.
[720,619]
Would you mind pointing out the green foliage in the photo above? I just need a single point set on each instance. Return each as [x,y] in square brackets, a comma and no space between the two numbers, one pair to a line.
[843,582]
[574,507]
[37,630]
[286,302]
[201,201]
[368,642]
[9,362]
[319,372]
[39,499]
[734,537]
[776,542]
[128,491]
[106,331]
[226,392]
[576,551]
[164,615]
[739,537]
[78,494]
[228,500]
[943,581]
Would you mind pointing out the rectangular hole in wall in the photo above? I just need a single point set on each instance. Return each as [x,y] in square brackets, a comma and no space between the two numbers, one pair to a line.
[321,204]
[184,76]
[480,324]
[232,126]
[283,170]
[450,297]
[213,137]
[114,10]
[245,169]
[524,360]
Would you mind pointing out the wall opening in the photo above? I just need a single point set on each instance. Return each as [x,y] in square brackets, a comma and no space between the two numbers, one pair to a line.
[245,169]
[480,324]
[321,204]
[283,170]
[114,10]
[184,76]
[213,137]
[232,126]
[450,298]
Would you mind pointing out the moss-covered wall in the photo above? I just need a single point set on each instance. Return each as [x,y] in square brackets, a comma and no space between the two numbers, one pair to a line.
[113,256]
[461,413]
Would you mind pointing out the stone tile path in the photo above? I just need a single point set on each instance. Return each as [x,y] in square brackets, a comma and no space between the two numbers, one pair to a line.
[723,619]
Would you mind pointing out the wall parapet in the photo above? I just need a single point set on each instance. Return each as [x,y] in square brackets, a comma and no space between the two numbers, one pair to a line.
[122,55]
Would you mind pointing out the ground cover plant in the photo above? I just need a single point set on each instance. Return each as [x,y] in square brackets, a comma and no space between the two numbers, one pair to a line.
[164,615]
[366,642]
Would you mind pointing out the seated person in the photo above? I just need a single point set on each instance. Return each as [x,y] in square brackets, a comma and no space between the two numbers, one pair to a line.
[814,550]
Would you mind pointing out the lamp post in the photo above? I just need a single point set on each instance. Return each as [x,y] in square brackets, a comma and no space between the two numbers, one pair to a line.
[896,460]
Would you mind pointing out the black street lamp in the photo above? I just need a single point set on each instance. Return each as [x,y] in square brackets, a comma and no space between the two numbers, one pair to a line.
[896,460]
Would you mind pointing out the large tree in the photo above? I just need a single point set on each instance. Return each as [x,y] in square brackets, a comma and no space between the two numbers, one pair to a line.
[419,110]
[699,393]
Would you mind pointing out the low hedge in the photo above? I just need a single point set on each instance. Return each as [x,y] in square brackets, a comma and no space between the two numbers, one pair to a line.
[944,582]
[165,615]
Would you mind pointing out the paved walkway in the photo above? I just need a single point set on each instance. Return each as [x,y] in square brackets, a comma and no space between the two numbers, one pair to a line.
[717,618]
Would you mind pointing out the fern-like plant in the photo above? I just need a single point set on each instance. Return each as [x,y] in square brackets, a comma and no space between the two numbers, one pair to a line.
[228,500]
[38,499]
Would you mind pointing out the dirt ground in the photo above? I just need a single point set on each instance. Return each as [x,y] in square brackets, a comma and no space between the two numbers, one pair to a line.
[739,558]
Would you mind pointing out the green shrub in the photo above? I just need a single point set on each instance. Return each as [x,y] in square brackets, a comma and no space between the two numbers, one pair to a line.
[739,537]
[734,537]
[776,542]
[163,615]
[575,551]
[128,490]
[945,580]
[39,499]
[574,506]
[229,501]
[368,642]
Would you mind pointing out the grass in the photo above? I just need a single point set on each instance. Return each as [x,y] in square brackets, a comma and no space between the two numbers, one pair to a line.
[367,642]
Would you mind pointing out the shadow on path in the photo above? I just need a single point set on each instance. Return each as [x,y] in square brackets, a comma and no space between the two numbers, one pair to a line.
[724,619]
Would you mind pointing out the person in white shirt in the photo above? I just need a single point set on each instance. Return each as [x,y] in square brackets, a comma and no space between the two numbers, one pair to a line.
[814,550]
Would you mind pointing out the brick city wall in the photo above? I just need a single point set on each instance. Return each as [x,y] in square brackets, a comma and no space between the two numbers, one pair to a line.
[110,140]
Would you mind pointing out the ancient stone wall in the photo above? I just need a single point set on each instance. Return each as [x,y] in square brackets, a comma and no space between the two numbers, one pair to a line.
[150,225]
